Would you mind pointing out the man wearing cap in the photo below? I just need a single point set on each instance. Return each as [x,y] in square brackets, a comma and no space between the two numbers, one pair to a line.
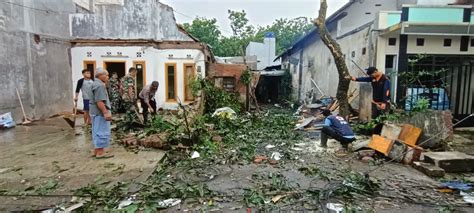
[380,90]
[147,99]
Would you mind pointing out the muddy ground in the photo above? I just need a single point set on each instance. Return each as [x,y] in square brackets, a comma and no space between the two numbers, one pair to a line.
[401,188]
[225,178]
[42,164]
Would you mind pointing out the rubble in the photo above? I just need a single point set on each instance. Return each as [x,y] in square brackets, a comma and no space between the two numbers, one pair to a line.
[451,161]
[428,169]
[437,127]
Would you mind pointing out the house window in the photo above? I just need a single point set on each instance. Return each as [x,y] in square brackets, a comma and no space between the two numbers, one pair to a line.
[364,50]
[228,84]
[189,76]
[420,42]
[89,65]
[392,41]
[472,42]
[170,77]
[447,42]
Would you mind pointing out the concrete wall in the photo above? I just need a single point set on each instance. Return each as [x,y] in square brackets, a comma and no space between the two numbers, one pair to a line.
[38,69]
[362,12]
[434,45]
[265,52]
[230,70]
[318,64]
[136,19]
[155,61]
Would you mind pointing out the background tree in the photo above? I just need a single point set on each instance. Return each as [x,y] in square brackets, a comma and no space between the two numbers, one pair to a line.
[206,30]
[287,31]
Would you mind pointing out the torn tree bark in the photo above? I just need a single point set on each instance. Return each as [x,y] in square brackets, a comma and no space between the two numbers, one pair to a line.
[335,49]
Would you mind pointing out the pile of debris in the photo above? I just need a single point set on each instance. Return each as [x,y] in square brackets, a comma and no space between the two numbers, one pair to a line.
[400,143]
[310,117]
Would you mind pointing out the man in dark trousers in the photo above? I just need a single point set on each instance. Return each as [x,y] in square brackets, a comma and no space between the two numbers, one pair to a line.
[147,99]
[337,128]
[380,90]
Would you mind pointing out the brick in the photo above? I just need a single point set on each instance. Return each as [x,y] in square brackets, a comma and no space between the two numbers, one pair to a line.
[391,131]
[428,169]
[397,151]
[381,144]
[409,134]
[451,161]
[413,154]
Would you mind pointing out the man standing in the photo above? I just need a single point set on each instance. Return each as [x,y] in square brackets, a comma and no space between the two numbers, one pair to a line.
[380,91]
[147,99]
[85,85]
[337,128]
[100,114]
[129,97]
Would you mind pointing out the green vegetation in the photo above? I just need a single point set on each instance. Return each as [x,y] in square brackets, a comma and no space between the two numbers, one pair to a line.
[287,31]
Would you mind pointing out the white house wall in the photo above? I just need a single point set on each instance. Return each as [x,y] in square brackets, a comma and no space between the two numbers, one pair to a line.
[155,60]
[434,45]
[362,12]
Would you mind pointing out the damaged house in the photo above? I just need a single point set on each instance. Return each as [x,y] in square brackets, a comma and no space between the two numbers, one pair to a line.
[34,49]
[117,35]
[397,37]
[45,44]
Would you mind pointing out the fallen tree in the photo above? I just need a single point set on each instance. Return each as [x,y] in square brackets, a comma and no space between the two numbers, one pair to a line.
[335,49]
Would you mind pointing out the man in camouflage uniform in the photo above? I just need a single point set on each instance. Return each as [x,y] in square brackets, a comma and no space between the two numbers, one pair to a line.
[114,93]
[129,97]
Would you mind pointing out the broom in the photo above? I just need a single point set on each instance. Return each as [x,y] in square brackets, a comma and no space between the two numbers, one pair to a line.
[72,121]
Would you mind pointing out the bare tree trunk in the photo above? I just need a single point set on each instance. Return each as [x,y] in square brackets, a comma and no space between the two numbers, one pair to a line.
[339,59]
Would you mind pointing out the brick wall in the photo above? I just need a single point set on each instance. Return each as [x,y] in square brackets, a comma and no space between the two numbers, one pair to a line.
[229,70]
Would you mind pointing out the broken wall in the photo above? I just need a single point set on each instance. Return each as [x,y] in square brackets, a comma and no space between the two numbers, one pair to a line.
[35,49]
[135,19]
[217,71]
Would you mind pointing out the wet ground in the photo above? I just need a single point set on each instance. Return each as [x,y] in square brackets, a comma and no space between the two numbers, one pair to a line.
[402,188]
[42,163]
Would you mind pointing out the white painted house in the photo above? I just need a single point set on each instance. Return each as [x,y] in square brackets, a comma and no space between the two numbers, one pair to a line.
[118,35]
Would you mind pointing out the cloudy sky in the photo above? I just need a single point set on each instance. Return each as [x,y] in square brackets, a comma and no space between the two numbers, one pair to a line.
[259,12]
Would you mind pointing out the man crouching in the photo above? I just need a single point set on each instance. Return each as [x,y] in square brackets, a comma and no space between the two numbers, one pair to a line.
[100,114]
[337,128]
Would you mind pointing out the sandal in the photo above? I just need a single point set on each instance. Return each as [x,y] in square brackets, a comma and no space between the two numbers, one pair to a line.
[104,156]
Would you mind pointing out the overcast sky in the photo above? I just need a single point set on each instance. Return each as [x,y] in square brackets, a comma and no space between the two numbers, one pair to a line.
[259,12]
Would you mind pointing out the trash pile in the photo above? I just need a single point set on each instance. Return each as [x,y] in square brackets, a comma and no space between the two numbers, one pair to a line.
[461,188]
[6,121]
[309,115]
[400,143]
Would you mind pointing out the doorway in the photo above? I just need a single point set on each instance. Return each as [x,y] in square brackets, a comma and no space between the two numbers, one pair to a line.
[117,67]
[141,75]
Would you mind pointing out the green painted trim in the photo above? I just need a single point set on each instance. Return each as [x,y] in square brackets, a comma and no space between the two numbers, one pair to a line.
[437,15]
